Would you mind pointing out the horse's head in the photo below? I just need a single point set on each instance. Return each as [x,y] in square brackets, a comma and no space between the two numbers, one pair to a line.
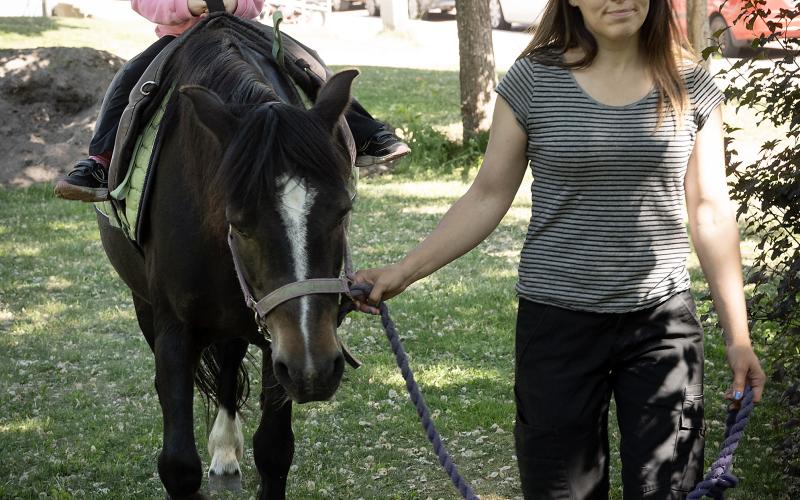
[283,183]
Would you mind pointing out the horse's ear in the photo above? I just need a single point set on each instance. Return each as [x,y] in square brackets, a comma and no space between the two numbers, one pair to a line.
[211,112]
[334,97]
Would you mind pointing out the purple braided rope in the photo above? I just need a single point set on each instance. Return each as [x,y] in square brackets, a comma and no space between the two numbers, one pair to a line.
[720,477]
[422,409]
[415,395]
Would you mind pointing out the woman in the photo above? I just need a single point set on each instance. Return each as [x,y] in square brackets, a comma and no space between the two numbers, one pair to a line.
[87,181]
[621,130]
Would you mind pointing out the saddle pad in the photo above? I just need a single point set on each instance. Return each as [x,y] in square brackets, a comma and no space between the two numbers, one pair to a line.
[133,187]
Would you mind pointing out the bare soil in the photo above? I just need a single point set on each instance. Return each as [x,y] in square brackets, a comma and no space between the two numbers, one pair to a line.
[49,100]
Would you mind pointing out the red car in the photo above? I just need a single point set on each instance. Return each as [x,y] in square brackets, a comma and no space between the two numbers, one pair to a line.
[722,14]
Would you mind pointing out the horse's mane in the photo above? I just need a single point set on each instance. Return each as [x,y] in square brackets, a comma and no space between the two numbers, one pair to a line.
[274,138]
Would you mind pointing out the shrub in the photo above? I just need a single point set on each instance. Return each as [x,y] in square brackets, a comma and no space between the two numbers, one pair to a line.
[434,154]
[768,189]
[768,193]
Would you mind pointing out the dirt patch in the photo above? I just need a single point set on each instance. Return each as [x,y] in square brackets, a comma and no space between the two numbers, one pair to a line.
[49,100]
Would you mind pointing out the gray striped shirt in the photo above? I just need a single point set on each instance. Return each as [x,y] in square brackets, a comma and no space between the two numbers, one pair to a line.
[607,229]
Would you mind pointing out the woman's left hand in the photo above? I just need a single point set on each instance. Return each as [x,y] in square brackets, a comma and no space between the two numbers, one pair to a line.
[746,371]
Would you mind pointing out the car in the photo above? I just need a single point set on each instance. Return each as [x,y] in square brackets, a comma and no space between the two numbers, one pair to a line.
[504,13]
[416,8]
[724,13]
[338,5]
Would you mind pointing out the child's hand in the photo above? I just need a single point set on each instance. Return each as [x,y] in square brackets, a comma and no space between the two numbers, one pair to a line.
[230,5]
[198,7]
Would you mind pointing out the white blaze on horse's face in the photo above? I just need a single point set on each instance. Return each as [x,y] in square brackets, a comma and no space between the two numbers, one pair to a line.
[295,204]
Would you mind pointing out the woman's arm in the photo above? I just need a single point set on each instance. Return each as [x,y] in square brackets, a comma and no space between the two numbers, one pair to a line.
[715,234]
[471,219]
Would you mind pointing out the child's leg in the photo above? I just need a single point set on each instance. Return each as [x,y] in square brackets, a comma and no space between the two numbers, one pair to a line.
[375,143]
[562,390]
[88,180]
[658,387]
[116,98]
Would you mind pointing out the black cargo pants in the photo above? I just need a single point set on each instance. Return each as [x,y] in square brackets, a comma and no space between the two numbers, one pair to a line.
[569,363]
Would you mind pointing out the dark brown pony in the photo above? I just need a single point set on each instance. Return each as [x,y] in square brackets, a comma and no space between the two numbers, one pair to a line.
[241,155]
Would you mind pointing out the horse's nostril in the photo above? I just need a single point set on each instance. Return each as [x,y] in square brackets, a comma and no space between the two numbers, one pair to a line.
[281,370]
[338,366]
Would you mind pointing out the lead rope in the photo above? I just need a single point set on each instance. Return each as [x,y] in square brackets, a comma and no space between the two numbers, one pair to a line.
[720,477]
[362,291]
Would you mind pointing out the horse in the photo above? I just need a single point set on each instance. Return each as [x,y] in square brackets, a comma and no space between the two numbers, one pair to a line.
[245,166]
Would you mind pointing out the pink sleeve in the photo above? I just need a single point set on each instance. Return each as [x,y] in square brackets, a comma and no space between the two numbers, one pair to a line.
[167,12]
[249,9]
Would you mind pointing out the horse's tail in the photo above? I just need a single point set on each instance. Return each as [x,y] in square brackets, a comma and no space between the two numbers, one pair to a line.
[208,374]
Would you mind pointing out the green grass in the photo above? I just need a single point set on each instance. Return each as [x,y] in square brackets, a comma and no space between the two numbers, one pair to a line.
[124,39]
[81,417]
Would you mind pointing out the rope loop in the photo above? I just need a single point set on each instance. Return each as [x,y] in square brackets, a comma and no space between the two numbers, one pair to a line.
[720,477]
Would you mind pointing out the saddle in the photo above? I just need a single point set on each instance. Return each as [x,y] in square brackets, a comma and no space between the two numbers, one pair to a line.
[138,140]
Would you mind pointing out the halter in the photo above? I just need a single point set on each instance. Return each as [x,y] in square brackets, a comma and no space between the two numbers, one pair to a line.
[266,304]
[300,288]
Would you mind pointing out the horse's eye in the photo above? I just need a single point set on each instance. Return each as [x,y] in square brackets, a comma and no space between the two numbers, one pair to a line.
[238,231]
[341,221]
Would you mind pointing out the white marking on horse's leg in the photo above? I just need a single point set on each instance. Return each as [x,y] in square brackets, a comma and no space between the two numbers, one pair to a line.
[225,444]
[296,202]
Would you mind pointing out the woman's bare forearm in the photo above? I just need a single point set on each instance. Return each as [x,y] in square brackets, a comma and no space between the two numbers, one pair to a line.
[715,234]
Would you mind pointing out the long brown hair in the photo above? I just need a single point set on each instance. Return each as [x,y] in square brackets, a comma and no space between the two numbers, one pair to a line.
[665,46]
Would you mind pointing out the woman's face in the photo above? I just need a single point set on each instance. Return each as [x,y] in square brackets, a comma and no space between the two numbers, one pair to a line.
[613,20]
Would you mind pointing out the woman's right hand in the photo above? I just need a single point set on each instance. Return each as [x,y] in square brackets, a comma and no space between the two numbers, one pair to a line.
[197,7]
[386,283]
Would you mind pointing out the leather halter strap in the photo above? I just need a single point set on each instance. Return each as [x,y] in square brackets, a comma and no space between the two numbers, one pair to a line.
[266,304]
[293,290]
[298,289]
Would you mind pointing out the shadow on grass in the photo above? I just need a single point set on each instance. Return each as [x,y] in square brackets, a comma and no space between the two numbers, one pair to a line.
[27,26]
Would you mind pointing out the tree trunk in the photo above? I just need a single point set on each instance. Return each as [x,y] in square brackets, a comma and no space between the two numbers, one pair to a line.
[476,72]
[44,8]
[697,25]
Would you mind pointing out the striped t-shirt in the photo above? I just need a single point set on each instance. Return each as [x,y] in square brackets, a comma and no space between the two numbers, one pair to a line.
[607,228]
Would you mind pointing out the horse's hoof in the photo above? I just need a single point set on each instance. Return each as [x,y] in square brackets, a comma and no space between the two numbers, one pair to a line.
[225,482]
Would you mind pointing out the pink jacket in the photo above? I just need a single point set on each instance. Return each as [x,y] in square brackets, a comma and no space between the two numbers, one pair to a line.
[173,16]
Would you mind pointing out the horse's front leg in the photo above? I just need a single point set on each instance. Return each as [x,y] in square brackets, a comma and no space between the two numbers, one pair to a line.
[179,464]
[226,442]
[273,442]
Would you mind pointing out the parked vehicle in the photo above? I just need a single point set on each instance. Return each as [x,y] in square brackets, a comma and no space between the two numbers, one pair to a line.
[723,14]
[337,5]
[504,13]
[416,8]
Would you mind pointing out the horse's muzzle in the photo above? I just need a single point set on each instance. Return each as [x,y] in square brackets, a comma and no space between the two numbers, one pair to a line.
[317,382]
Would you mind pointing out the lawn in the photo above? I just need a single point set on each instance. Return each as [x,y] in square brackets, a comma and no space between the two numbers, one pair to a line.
[81,418]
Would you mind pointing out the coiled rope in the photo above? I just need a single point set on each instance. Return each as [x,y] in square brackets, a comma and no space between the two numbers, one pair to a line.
[720,477]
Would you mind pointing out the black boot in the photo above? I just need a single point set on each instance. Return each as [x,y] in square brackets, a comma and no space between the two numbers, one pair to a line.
[87,181]
[382,147]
